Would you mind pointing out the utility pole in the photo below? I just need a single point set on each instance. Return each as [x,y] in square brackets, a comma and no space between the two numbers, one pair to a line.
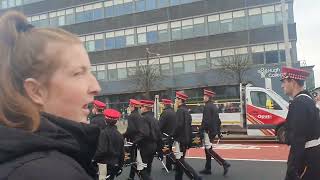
[286,33]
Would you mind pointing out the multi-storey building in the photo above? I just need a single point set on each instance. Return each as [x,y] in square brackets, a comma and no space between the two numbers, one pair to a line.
[190,38]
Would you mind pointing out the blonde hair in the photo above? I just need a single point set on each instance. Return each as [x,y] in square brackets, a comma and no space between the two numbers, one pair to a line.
[23,55]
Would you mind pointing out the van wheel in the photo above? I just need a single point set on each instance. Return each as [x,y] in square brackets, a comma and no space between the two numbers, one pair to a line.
[281,135]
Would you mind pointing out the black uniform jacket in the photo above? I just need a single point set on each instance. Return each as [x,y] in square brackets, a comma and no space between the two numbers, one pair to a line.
[152,140]
[99,120]
[167,121]
[60,149]
[302,125]
[210,120]
[183,131]
[134,124]
[111,147]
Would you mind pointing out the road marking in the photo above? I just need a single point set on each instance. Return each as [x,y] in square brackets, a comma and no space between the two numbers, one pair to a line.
[235,159]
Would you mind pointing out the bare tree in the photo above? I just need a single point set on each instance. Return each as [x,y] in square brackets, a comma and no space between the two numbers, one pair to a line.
[237,65]
[147,74]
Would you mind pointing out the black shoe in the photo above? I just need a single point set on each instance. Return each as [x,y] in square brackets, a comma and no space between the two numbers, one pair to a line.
[226,167]
[205,171]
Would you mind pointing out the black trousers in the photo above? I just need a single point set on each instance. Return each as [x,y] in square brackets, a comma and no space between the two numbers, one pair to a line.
[169,161]
[211,153]
[147,158]
[308,169]
[112,171]
[182,165]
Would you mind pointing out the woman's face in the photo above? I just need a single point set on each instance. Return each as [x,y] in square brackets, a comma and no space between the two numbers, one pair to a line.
[72,86]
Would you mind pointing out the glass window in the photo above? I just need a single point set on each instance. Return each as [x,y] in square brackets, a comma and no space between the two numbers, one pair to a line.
[129,33]
[112,72]
[43,20]
[131,68]
[163,3]
[11,3]
[189,63]
[4,4]
[101,72]
[108,9]
[90,44]
[54,20]
[278,17]
[152,35]
[272,57]
[257,54]
[174,2]
[118,8]
[177,64]
[128,7]
[98,11]
[176,30]
[70,17]
[80,15]
[140,5]
[226,22]
[120,39]
[110,40]
[187,29]
[255,19]
[151,4]
[165,66]
[199,27]
[88,13]
[239,21]
[99,42]
[282,55]
[201,61]
[215,57]
[271,54]
[61,20]
[214,24]
[142,36]
[122,70]
[18,2]
[163,33]
[258,99]
[262,100]
[258,58]
[268,16]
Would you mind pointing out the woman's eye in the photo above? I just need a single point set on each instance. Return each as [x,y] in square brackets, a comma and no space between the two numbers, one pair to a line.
[78,73]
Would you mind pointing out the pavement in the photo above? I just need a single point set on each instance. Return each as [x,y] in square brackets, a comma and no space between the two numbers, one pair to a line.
[249,161]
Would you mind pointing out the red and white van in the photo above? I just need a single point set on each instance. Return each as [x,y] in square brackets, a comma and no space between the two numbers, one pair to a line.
[259,112]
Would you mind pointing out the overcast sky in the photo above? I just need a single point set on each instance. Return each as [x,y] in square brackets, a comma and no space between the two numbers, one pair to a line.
[307,17]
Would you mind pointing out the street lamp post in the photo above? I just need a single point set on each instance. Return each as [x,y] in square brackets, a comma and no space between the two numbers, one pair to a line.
[286,33]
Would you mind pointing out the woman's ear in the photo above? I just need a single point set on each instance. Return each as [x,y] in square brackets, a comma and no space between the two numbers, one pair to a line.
[35,91]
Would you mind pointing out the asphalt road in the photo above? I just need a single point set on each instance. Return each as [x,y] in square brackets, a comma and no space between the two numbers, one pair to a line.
[240,170]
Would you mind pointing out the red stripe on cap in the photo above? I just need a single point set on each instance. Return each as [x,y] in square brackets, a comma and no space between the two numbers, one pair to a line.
[181,95]
[111,114]
[99,104]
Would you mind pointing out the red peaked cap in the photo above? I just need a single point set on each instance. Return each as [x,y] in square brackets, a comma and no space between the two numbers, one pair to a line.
[111,114]
[99,104]
[147,103]
[209,93]
[166,101]
[293,73]
[134,102]
[181,95]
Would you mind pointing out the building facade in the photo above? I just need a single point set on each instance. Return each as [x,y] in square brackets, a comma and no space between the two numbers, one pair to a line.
[188,39]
